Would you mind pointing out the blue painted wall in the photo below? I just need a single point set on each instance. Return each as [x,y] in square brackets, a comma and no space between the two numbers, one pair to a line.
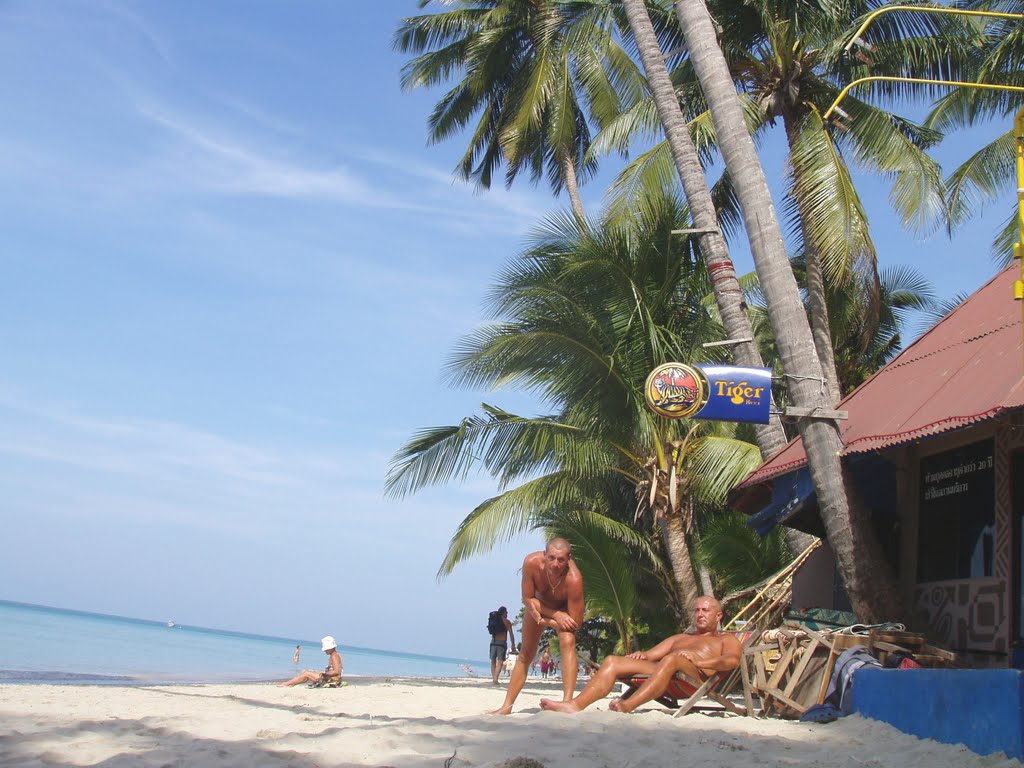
[981,708]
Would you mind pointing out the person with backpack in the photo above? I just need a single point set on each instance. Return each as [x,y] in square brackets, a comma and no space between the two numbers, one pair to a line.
[500,629]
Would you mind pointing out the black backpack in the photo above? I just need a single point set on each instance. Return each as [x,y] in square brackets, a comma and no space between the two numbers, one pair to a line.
[495,624]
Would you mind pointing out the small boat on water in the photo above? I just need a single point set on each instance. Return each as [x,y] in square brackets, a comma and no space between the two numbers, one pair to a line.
[170,624]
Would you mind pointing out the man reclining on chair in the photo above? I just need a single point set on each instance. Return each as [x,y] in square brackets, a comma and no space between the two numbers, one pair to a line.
[698,654]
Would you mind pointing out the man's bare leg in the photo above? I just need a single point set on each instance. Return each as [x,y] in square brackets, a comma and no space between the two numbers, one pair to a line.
[495,668]
[531,636]
[658,682]
[570,667]
[601,683]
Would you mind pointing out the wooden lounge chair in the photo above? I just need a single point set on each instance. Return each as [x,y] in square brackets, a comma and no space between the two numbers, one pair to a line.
[685,693]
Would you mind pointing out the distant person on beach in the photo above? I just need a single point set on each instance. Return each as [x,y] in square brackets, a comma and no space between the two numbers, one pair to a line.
[545,663]
[295,656]
[501,637]
[331,673]
[698,654]
[509,664]
[552,597]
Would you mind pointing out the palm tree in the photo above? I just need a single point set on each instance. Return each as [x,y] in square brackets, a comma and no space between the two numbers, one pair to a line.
[793,66]
[990,172]
[868,579]
[531,69]
[728,295]
[589,314]
[469,37]
[787,59]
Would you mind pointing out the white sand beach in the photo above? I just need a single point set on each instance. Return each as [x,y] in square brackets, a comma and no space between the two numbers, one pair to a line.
[409,723]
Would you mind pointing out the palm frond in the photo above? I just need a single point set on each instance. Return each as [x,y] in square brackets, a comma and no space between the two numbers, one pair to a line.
[737,556]
[826,206]
[508,515]
[716,464]
[981,177]
[438,455]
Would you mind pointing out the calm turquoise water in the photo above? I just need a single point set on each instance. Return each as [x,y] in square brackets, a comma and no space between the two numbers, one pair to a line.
[40,644]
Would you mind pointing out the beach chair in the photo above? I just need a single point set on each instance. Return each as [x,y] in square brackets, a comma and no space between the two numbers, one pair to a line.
[329,682]
[685,693]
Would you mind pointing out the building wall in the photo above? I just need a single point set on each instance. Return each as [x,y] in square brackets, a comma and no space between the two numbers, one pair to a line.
[971,615]
[813,582]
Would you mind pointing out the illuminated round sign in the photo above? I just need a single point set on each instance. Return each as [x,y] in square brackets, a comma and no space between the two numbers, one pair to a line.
[675,390]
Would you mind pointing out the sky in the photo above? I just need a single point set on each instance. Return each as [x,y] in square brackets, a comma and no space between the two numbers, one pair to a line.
[232,272]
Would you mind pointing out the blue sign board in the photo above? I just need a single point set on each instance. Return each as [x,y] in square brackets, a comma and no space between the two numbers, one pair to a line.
[715,392]
[736,394]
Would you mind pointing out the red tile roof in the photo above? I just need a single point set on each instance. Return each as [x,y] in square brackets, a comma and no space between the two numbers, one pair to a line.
[967,368]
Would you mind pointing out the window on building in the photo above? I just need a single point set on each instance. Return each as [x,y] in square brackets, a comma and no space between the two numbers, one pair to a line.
[956,521]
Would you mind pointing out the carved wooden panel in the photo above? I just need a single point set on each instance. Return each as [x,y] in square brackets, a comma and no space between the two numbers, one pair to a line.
[965,614]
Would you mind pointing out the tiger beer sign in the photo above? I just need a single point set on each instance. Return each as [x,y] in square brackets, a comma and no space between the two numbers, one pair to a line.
[714,392]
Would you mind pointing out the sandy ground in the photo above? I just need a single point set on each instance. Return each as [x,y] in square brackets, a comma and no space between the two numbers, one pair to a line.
[409,723]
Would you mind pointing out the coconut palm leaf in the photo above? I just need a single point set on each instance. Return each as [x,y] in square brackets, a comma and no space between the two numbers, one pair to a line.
[438,455]
[510,514]
[718,463]
[736,555]
[894,147]
[532,505]
[824,205]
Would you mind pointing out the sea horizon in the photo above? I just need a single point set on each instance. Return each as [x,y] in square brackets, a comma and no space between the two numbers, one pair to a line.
[236,632]
[45,644]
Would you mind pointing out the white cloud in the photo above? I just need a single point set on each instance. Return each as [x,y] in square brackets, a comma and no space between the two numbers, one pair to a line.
[213,159]
[160,471]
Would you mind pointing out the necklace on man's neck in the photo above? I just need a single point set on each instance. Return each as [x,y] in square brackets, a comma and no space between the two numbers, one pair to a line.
[554,586]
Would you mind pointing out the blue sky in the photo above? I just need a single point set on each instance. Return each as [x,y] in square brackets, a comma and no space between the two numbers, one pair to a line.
[231,274]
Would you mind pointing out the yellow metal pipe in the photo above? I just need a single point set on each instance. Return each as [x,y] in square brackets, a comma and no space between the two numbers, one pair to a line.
[894,79]
[1018,132]
[918,9]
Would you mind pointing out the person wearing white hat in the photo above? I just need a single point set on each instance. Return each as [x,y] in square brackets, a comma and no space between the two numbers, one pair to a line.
[332,673]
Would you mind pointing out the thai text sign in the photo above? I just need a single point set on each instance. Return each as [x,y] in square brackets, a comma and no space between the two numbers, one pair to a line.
[715,392]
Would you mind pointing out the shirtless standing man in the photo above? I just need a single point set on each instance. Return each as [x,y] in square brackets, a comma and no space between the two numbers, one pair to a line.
[500,642]
[698,655]
[552,597]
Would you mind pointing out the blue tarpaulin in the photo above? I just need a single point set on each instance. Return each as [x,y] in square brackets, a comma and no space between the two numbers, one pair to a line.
[790,493]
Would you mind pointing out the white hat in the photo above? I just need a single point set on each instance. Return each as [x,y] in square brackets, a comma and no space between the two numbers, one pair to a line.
[327,643]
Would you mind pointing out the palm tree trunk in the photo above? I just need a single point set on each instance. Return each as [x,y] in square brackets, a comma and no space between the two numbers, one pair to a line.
[707,588]
[674,533]
[625,637]
[869,580]
[573,188]
[729,297]
[821,328]
[797,541]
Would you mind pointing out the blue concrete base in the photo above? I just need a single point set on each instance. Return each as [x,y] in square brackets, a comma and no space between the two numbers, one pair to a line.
[980,708]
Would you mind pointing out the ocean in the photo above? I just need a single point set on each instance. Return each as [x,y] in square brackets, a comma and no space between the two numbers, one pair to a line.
[39,644]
